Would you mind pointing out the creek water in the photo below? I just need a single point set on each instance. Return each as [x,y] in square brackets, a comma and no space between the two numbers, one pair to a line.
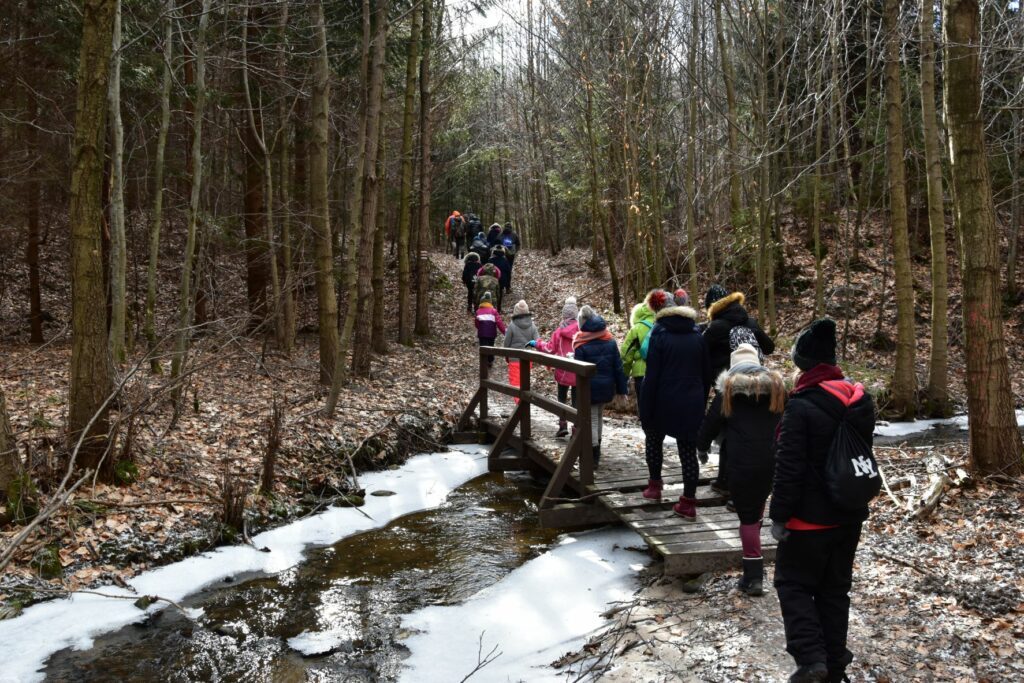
[344,601]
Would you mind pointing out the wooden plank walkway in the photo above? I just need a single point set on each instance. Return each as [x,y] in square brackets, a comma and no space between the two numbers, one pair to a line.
[711,542]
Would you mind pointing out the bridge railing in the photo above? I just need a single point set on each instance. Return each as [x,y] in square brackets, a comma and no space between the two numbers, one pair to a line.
[579,447]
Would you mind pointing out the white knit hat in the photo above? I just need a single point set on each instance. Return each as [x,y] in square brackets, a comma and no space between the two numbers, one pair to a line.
[745,354]
[520,308]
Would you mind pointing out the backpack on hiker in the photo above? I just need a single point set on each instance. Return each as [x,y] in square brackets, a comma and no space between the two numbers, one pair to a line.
[509,242]
[457,229]
[645,345]
[852,478]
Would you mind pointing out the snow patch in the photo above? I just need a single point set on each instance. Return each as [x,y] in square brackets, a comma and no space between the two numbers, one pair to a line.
[897,429]
[540,611]
[423,482]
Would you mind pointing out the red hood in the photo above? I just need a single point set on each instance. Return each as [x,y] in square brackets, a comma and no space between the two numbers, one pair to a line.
[847,393]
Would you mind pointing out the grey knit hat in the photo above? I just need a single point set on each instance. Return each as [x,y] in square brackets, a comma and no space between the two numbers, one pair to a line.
[570,310]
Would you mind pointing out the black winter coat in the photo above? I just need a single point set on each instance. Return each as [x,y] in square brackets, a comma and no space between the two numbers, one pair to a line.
[604,353]
[493,236]
[808,425]
[675,389]
[748,435]
[502,264]
[469,272]
[726,314]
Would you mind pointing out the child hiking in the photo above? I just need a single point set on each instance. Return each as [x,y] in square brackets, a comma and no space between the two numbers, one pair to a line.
[641,320]
[561,345]
[745,412]
[594,344]
[521,333]
[816,525]
[488,323]
[470,265]
[675,391]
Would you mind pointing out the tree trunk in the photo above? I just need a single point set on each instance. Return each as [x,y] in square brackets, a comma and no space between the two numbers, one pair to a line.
[33,190]
[938,364]
[319,209]
[259,137]
[185,300]
[367,223]
[378,339]
[729,79]
[118,245]
[904,380]
[355,208]
[10,461]
[1016,209]
[422,261]
[253,219]
[691,152]
[819,275]
[149,326]
[288,312]
[90,359]
[995,440]
[404,208]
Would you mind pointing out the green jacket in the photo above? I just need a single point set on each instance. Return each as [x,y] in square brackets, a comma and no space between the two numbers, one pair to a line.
[632,362]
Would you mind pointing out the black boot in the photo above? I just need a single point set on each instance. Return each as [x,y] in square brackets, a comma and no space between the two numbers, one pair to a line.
[810,673]
[597,456]
[752,582]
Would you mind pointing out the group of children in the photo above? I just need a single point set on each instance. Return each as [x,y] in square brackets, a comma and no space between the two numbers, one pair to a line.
[705,383]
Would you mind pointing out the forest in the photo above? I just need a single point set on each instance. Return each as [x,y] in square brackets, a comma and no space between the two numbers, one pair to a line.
[228,300]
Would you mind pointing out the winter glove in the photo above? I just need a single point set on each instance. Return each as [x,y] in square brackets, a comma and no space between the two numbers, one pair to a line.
[532,343]
[703,457]
[779,531]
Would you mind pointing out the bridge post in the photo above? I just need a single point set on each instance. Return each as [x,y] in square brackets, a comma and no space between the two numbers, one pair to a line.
[583,429]
[525,432]
[485,372]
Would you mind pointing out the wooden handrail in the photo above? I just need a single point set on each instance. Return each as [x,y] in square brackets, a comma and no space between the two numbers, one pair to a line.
[579,448]
[540,358]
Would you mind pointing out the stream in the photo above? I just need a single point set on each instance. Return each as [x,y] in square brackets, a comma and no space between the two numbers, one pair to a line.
[341,606]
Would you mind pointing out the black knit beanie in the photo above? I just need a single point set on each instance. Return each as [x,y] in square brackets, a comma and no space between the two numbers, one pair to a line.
[816,345]
[715,293]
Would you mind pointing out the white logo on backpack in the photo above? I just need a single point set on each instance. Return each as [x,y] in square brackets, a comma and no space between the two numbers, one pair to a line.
[863,467]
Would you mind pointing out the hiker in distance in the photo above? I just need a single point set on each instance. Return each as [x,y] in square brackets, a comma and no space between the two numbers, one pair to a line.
[748,404]
[594,344]
[470,266]
[674,395]
[818,507]
[455,233]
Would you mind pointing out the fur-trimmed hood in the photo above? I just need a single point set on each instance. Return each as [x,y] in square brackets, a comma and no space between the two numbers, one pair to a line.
[677,311]
[640,312]
[724,303]
[747,380]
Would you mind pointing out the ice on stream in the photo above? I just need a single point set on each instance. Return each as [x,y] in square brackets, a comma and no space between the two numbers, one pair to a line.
[424,482]
[542,610]
[898,429]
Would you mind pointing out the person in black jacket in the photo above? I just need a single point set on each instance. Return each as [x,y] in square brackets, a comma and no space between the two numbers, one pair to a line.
[817,534]
[594,344]
[746,410]
[673,395]
[470,264]
[502,264]
[726,312]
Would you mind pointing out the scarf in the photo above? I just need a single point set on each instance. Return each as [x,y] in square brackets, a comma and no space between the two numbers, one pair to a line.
[816,375]
[582,337]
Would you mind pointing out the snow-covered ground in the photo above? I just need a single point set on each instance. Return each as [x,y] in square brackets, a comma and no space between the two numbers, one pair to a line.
[423,482]
[543,609]
[897,429]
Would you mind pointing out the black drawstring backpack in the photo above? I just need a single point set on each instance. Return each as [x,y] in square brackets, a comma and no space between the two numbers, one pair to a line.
[851,471]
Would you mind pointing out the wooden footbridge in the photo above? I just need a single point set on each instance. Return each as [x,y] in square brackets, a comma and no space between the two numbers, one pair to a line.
[576,494]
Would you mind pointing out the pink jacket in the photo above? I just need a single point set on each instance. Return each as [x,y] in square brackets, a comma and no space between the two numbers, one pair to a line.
[561,345]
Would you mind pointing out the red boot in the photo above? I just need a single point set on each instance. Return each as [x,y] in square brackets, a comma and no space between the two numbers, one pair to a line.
[686,508]
[653,490]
